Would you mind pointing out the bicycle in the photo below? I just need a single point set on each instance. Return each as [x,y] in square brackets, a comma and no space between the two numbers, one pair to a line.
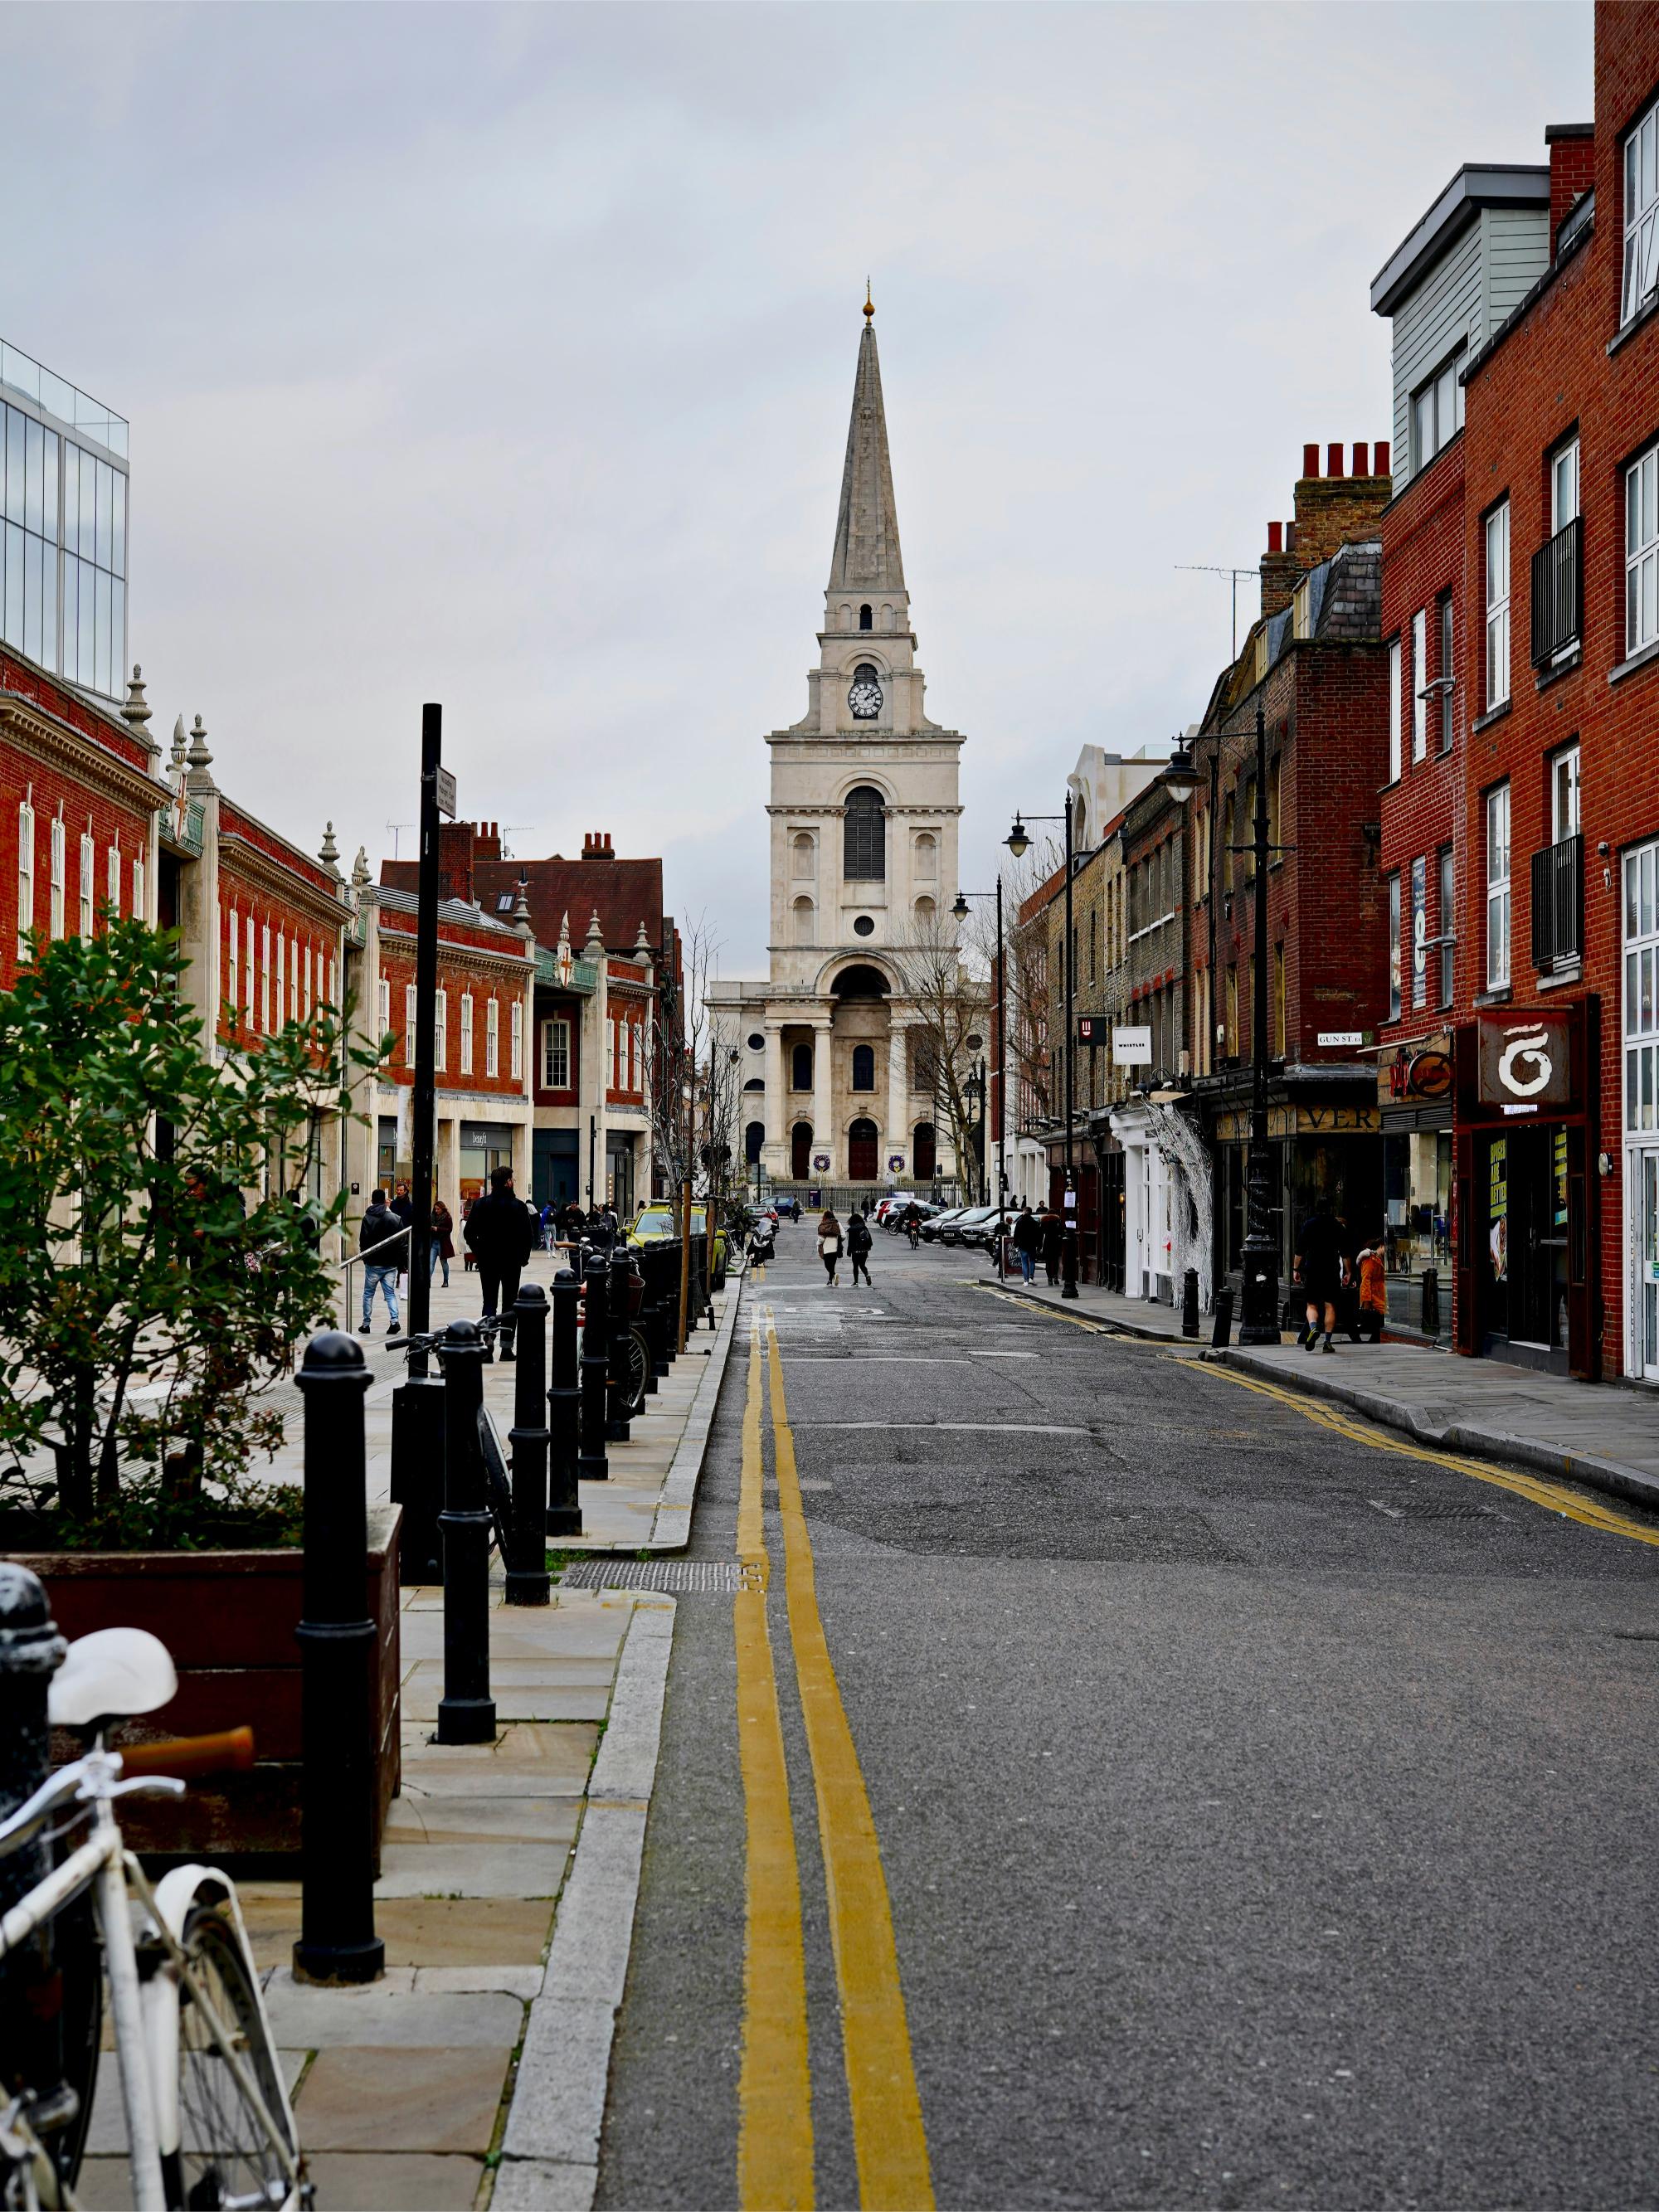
[207,2117]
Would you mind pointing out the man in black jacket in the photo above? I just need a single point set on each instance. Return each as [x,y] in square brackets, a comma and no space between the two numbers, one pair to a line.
[500,1230]
[384,1259]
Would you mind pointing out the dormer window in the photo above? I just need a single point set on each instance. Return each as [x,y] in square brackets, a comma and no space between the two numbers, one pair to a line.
[867,620]
[1436,412]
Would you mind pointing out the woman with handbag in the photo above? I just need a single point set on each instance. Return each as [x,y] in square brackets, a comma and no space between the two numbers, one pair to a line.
[829,1245]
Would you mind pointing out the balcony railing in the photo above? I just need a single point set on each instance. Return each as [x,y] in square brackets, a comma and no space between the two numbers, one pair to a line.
[1558,593]
[1558,905]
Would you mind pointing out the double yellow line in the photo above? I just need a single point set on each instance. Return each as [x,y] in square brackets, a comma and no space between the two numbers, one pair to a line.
[775,2130]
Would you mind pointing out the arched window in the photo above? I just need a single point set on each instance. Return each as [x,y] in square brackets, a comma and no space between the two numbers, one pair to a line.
[753,1137]
[925,912]
[927,857]
[804,912]
[865,620]
[924,1152]
[864,1068]
[800,1150]
[865,847]
[887,617]
[800,1068]
[756,1083]
[806,855]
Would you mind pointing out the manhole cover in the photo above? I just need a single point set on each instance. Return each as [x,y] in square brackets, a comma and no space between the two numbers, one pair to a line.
[1413,1509]
[677,1575]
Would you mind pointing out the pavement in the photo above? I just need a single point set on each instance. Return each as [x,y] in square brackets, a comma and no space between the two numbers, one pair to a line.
[1603,1434]
[474,2070]
[1116,1783]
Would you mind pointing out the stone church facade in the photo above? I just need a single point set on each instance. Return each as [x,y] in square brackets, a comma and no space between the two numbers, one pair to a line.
[863,818]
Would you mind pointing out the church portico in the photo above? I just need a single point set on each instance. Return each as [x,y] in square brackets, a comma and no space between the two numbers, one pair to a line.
[863,828]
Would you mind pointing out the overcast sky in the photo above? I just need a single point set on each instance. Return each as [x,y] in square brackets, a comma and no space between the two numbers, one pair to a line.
[502,355]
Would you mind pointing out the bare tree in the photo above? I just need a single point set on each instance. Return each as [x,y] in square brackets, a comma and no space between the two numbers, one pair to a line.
[694,1122]
[946,998]
[1026,986]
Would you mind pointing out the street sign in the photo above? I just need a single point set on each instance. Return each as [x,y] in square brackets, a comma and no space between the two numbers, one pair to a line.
[1341,1036]
[446,792]
[1132,1047]
[1093,1029]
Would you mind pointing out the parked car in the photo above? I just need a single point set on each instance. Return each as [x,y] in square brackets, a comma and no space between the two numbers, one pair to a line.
[999,1221]
[963,1225]
[788,1208]
[653,1223]
[935,1226]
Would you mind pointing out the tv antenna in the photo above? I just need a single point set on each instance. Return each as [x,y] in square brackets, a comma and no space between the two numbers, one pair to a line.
[508,827]
[394,827]
[1207,568]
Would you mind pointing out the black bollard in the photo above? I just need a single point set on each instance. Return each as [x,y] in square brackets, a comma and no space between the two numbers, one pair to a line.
[651,1318]
[592,1467]
[1222,1333]
[564,1512]
[1189,1302]
[1431,1302]
[617,1421]
[31,1652]
[337,1943]
[466,1712]
[418,1475]
[526,1572]
[673,1255]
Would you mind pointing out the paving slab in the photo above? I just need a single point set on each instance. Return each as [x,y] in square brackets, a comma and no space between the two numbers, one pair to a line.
[414,2181]
[362,2097]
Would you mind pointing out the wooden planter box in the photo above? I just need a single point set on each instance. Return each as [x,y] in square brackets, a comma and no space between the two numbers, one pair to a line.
[228,1619]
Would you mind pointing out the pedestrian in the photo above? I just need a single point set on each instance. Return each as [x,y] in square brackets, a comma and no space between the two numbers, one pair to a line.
[913,1224]
[383,1259]
[1028,1241]
[443,1238]
[858,1248]
[1373,1293]
[1319,1266]
[469,1257]
[549,1222]
[500,1230]
[403,1206]
[572,1222]
[869,1205]
[1054,1233]
[829,1245]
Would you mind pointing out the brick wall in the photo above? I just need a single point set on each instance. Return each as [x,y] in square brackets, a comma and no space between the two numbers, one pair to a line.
[86,808]
[458,976]
[286,958]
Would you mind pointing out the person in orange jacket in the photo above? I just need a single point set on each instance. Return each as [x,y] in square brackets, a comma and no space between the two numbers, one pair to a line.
[1373,1293]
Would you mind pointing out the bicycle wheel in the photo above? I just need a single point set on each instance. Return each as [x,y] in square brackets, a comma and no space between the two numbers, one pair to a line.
[226,2155]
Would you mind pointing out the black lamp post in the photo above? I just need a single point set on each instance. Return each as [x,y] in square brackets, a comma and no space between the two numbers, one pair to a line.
[1259,1316]
[960,911]
[1018,844]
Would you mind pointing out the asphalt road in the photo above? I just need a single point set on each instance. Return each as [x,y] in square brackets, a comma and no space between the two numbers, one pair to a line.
[1266,1816]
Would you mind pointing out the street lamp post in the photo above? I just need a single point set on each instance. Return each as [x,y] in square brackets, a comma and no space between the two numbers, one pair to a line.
[1018,843]
[960,911]
[1259,1320]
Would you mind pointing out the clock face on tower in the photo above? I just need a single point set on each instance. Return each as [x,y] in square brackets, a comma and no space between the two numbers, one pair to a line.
[865,697]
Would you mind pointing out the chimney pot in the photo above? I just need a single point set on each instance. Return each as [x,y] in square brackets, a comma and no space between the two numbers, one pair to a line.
[1333,460]
[1359,457]
[1275,538]
[1380,457]
[1310,460]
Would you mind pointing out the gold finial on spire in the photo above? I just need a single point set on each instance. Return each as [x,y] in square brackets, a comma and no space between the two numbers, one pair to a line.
[869,304]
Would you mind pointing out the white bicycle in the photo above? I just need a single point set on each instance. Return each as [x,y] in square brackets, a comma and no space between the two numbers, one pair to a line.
[209,2123]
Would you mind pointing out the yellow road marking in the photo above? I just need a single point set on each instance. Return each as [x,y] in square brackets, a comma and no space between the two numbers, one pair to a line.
[888,2136]
[774,2088]
[1537,1490]
[1037,1305]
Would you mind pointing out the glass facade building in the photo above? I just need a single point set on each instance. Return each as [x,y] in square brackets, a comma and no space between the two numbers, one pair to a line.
[64,545]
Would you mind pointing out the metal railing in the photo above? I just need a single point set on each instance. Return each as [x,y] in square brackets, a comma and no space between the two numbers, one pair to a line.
[1558,904]
[1558,593]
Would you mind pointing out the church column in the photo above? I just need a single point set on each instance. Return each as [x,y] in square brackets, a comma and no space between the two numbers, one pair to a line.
[777,1123]
[899,1092]
[824,1132]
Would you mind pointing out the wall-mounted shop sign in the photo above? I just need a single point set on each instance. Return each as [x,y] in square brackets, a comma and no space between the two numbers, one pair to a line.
[1132,1047]
[1525,1063]
[1233,1128]
[1420,1073]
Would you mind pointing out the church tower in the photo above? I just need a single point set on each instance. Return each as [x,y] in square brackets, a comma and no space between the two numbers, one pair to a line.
[864,815]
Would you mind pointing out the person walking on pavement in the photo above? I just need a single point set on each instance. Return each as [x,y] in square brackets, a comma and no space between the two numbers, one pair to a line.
[858,1248]
[829,1245]
[500,1229]
[443,1238]
[381,1267]
[1054,1233]
[1319,1265]
[1028,1241]
[1373,1292]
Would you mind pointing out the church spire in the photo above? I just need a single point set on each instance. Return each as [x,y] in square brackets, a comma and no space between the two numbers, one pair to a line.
[866,556]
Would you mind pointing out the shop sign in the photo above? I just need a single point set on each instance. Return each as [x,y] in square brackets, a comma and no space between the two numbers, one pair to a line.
[1421,1072]
[1132,1047]
[1234,1127]
[1525,1065]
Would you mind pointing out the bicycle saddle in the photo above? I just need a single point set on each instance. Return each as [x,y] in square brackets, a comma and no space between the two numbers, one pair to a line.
[111,1674]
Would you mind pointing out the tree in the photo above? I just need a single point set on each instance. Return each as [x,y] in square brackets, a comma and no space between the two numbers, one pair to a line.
[129,1248]
[945,1004]
[697,1110]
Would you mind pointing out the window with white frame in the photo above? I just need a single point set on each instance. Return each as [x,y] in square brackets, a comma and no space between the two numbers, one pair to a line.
[1641,213]
[310,951]
[1448,924]
[1394,711]
[1436,412]
[633,1052]
[1447,680]
[1641,988]
[1419,932]
[55,908]
[409,1024]
[1563,486]
[1420,680]
[264,979]
[88,889]
[233,978]
[515,1047]
[611,1050]
[466,1033]
[1565,818]
[493,1037]
[440,1031]
[294,979]
[556,1054]
[1498,605]
[112,883]
[1642,551]
[25,876]
[140,911]
[1498,888]
[247,976]
[1393,948]
[282,976]
[383,1005]
[333,983]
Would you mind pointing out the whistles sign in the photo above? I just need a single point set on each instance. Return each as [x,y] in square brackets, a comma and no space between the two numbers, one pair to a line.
[1526,1064]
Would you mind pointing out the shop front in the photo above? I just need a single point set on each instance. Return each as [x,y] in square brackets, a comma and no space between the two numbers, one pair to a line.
[1526,1227]
[1414,1084]
[1149,1222]
[555,1167]
[484,1146]
[1083,1211]
[1112,1230]
[1323,1131]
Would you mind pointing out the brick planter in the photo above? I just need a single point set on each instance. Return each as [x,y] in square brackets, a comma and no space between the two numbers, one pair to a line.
[228,1619]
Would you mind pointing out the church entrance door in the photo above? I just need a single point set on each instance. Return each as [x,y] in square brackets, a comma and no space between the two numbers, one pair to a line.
[800,1150]
[863,1152]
